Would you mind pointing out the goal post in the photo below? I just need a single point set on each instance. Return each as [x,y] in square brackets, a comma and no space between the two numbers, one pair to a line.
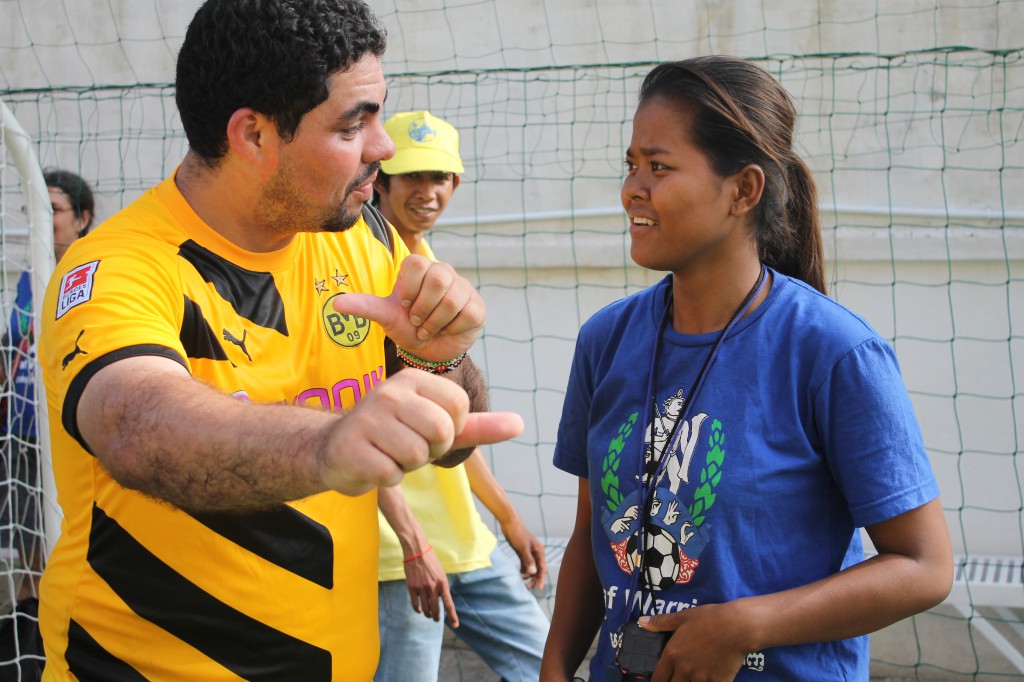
[20,161]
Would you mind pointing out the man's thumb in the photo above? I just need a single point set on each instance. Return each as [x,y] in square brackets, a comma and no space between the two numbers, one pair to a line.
[485,428]
[364,305]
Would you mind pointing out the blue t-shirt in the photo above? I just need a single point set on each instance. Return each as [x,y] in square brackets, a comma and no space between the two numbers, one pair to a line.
[802,432]
[20,418]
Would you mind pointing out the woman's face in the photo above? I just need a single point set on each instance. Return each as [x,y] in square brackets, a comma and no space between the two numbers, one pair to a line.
[66,225]
[679,208]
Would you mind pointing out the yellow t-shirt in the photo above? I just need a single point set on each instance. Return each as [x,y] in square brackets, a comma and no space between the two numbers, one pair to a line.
[137,588]
[443,505]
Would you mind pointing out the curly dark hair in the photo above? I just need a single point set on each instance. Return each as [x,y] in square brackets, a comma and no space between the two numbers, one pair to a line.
[274,56]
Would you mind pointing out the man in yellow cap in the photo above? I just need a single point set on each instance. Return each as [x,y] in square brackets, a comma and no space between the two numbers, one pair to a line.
[435,549]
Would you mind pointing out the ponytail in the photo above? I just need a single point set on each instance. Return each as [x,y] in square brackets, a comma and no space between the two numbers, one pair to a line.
[802,215]
[794,247]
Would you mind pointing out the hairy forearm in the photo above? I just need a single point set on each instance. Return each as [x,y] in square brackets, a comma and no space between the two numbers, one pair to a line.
[158,430]
[469,376]
[166,435]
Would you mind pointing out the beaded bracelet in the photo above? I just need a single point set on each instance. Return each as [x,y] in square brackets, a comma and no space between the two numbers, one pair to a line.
[418,556]
[442,367]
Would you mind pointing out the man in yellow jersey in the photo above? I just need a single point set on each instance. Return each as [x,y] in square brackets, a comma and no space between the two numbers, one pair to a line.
[214,359]
[430,526]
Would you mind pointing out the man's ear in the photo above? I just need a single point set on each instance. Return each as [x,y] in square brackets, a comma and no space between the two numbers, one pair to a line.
[252,136]
[749,184]
[455,181]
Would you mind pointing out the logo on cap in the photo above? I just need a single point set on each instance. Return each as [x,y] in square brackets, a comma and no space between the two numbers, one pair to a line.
[421,132]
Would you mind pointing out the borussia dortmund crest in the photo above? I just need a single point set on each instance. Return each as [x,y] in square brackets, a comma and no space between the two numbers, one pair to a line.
[344,330]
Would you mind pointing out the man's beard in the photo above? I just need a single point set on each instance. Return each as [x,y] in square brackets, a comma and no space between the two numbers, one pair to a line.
[345,218]
[282,206]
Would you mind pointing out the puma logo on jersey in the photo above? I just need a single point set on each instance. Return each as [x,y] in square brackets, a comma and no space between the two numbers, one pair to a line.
[77,351]
[230,338]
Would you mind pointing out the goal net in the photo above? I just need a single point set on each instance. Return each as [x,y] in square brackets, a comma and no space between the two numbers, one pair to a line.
[912,116]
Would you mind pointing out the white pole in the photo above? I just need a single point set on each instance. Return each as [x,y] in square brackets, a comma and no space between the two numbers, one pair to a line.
[41,259]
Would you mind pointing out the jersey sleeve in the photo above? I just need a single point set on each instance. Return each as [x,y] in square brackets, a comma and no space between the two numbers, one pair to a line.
[871,436]
[99,310]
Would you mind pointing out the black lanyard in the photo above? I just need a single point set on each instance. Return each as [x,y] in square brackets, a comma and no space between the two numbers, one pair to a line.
[676,433]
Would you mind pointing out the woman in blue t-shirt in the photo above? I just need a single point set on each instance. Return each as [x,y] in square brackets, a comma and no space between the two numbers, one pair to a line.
[732,426]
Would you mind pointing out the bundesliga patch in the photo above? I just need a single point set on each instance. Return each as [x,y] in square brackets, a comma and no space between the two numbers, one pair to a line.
[76,287]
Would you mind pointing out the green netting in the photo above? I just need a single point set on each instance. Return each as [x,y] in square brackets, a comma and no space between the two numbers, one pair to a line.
[912,119]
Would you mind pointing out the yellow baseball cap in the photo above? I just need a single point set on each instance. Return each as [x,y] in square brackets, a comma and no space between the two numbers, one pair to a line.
[423,142]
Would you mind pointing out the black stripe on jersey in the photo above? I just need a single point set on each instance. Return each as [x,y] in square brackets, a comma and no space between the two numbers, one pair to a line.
[253,295]
[250,649]
[90,662]
[197,336]
[282,536]
[69,411]
[379,227]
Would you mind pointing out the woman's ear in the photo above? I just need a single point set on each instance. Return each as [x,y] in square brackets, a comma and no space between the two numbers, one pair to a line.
[749,188]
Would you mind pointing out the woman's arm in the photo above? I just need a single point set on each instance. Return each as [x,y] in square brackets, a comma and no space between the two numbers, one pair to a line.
[579,601]
[912,572]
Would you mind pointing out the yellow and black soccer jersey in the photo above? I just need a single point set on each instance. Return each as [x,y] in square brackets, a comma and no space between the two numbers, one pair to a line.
[139,589]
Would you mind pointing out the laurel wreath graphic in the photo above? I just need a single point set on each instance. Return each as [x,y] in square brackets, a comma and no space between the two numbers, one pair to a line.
[710,475]
[610,465]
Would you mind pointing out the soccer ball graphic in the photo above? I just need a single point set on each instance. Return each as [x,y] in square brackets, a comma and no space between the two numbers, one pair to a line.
[659,564]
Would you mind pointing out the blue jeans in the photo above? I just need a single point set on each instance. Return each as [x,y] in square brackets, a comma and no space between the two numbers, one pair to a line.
[498,618]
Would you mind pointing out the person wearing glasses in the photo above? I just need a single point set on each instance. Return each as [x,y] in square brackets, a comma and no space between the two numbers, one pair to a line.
[21,526]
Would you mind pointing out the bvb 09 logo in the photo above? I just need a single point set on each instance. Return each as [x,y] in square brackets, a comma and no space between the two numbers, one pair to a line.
[344,330]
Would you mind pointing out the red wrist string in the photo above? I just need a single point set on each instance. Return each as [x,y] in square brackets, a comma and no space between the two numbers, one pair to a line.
[418,556]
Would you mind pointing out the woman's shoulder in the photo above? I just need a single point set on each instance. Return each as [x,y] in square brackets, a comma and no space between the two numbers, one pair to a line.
[814,319]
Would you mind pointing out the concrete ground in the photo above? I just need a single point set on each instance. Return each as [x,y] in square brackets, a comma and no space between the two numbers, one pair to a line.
[459,663]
